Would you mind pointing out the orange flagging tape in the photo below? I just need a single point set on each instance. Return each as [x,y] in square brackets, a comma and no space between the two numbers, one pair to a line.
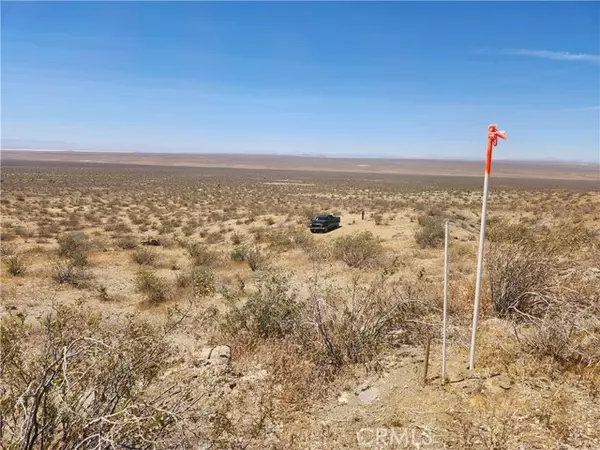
[493,135]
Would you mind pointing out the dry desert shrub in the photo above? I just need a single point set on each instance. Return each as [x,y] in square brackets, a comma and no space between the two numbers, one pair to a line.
[431,231]
[360,250]
[7,248]
[145,256]
[16,265]
[285,240]
[75,247]
[7,234]
[72,274]
[201,255]
[253,256]
[518,274]
[203,281]
[273,312]
[332,331]
[154,289]
[354,328]
[75,382]
[568,333]
[237,238]
[127,242]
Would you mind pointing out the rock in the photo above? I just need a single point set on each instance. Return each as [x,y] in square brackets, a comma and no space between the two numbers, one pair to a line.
[343,398]
[472,387]
[255,376]
[363,387]
[369,395]
[219,355]
[504,382]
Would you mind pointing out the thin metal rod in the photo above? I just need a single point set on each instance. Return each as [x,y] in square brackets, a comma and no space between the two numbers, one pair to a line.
[427,348]
[444,320]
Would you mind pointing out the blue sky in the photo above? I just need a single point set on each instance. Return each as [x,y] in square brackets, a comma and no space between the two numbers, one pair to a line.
[400,79]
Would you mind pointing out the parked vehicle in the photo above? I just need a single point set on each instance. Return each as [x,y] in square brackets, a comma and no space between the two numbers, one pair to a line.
[323,223]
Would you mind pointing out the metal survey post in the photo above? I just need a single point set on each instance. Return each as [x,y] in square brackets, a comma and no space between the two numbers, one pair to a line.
[493,135]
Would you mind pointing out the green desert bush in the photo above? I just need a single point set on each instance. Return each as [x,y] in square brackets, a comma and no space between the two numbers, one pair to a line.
[329,329]
[271,312]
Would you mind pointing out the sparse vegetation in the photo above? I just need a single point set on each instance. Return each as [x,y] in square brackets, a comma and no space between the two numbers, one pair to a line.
[228,261]
[256,259]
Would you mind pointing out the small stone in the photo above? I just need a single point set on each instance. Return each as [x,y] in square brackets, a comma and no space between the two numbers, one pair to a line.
[221,354]
[343,398]
[363,387]
[369,395]
[504,382]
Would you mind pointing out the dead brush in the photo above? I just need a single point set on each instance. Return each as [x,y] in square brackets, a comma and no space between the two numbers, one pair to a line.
[353,329]
[76,382]
[69,273]
[518,274]
[16,265]
[568,333]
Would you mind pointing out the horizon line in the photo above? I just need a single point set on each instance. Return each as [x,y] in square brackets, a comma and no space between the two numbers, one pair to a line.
[297,155]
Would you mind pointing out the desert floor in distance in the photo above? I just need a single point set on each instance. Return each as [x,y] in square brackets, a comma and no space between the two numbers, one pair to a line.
[191,308]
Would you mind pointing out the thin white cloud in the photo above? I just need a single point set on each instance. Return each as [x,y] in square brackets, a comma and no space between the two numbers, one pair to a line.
[559,56]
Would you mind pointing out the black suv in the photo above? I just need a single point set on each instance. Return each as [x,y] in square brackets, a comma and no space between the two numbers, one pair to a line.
[324,223]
